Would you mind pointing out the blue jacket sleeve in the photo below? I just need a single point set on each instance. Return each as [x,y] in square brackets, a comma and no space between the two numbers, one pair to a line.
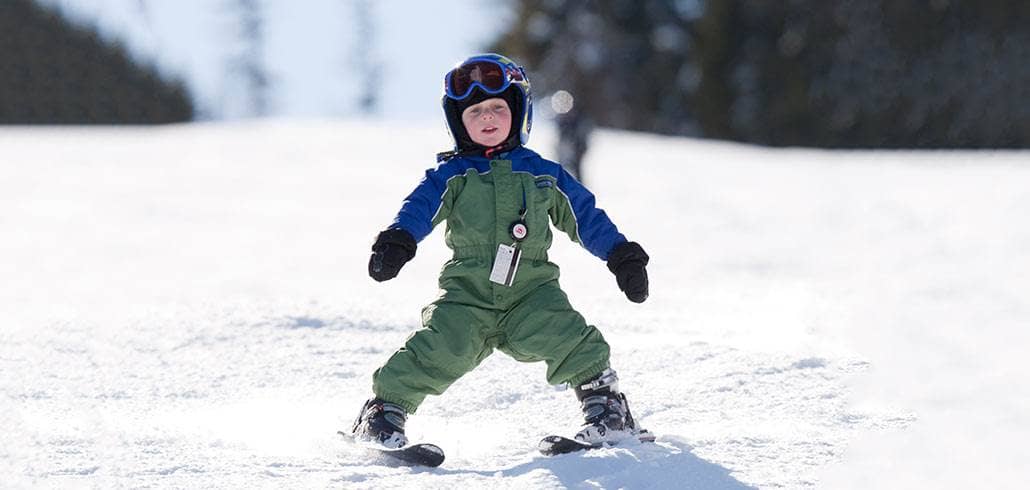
[424,203]
[594,229]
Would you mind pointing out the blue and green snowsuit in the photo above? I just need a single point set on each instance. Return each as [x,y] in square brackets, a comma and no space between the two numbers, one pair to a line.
[479,198]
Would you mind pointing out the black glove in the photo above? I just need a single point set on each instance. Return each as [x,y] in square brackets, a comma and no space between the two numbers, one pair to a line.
[393,248]
[628,262]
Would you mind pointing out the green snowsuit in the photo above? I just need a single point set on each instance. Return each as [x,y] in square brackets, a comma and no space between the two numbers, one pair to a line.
[531,320]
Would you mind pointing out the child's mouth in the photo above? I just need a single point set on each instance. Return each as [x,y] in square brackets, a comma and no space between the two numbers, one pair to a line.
[489,130]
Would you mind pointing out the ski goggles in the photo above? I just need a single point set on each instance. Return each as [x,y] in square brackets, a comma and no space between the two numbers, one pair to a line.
[493,77]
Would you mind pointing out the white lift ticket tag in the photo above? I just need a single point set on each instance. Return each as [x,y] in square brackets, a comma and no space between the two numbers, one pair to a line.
[505,265]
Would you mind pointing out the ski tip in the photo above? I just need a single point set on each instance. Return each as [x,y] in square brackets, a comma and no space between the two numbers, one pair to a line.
[547,444]
[430,448]
[554,445]
[426,454]
[434,455]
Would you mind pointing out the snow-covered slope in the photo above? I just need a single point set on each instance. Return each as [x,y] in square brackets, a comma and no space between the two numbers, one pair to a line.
[189,307]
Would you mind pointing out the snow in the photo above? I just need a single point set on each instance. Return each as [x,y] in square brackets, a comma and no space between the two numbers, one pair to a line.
[189,307]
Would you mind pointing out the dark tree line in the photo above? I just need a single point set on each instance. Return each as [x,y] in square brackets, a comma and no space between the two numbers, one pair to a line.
[824,73]
[54,72]
[875,73]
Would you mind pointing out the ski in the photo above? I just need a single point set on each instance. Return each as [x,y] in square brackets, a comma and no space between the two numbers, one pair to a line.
[555,445]
[422,454]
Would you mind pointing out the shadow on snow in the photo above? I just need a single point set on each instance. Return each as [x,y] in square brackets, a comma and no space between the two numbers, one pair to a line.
[668,463]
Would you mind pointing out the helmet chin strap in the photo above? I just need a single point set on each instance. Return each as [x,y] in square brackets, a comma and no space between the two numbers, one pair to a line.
[490,151]
[443,156]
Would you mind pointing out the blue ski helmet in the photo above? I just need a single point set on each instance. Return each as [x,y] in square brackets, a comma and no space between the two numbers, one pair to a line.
[482,77]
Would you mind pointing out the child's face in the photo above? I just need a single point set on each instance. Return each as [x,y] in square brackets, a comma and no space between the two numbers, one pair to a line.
[488,122]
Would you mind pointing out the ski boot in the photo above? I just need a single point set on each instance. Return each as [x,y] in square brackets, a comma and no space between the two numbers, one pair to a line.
[381,422]
[608,419]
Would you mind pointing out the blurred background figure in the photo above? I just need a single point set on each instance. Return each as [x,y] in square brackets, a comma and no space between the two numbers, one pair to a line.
[822,73]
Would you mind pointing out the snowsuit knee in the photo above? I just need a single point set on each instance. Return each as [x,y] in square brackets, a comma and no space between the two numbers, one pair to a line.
[530,320]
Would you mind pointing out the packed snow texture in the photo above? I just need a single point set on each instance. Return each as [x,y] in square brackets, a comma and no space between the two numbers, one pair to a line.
[189,307]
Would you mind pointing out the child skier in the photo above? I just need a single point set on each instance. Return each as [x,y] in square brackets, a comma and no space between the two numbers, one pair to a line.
[499,291]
